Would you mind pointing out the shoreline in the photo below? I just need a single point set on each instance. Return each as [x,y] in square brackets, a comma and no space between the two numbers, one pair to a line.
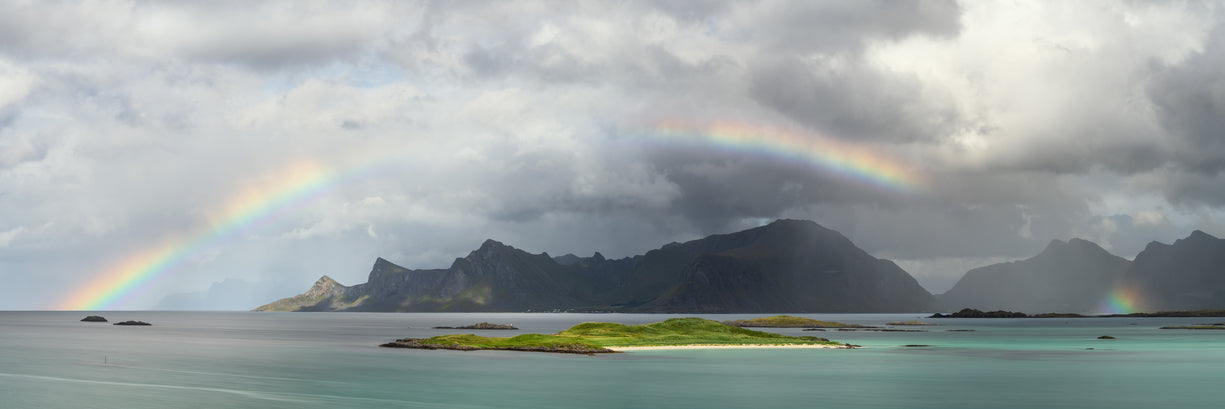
[744,346]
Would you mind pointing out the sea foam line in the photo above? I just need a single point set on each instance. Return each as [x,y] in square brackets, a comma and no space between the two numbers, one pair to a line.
[248,394]
[279,397]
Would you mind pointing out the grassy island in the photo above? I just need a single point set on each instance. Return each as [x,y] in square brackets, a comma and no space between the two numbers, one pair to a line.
[601,337]
[787,321]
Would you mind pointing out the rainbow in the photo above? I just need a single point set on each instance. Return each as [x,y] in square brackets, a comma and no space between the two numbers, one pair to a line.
[131,275]
[1123,300]
[848,160]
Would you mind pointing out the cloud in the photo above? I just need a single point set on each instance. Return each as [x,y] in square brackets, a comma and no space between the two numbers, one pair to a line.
[264,36]
[845,98]
[129,125]
[1189,98]
[835,27]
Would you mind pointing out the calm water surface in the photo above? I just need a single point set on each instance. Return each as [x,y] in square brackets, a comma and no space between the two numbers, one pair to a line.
[331,360]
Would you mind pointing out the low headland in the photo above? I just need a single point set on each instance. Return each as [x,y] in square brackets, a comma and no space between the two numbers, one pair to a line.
[911,323]
[605,337]
[973,313]
[1217,326]
[787,321]
[482,325]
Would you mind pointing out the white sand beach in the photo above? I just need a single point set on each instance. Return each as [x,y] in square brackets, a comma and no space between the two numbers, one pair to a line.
[747,346]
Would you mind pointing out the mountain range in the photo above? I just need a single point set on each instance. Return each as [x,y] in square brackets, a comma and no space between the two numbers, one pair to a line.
[785,266]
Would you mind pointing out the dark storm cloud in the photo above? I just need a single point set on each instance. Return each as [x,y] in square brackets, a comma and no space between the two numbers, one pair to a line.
[847,99]
[718,189]
[813,71]
[1195,189]
[1190,102]
[631,64]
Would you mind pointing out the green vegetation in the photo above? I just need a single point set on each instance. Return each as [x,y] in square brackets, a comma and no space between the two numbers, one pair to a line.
[596,336]
[787,321]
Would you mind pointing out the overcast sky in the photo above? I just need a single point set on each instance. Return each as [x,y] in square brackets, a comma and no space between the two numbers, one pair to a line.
[413,131]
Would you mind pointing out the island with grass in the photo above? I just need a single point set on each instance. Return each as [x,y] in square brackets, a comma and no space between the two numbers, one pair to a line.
[787,321]
[605,337]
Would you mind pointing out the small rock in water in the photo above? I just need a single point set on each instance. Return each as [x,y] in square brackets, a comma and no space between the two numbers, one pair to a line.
[93,318]
[132,323]
[1105,337]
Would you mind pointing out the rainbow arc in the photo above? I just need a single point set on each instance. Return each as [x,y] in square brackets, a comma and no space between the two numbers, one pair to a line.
[852,161]
[130,275]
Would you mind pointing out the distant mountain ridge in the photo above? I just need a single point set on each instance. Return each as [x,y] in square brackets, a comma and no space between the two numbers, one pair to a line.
[785,266]
[1186,275]
[1079,276]
[1071,276]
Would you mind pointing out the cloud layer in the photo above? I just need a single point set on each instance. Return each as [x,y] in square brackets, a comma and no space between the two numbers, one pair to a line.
[126,126]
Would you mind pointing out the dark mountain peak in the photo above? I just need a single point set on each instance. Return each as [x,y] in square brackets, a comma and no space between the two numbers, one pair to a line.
[787,228]
[1078,242]
[1087,247]
[568,259]
[491,249]
[1055,245]
[597,257]
[793,222]
[1073,248]
[491,244]
[1199,235]
[383,269]
[796,226]
[798,235]
[493,252]
[1153,246]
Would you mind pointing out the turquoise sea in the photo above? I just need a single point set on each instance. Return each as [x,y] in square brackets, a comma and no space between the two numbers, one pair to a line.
[331,360]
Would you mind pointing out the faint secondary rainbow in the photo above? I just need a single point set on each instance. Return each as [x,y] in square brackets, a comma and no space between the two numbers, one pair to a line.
[849,160]
[1123,300]
[299,183]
